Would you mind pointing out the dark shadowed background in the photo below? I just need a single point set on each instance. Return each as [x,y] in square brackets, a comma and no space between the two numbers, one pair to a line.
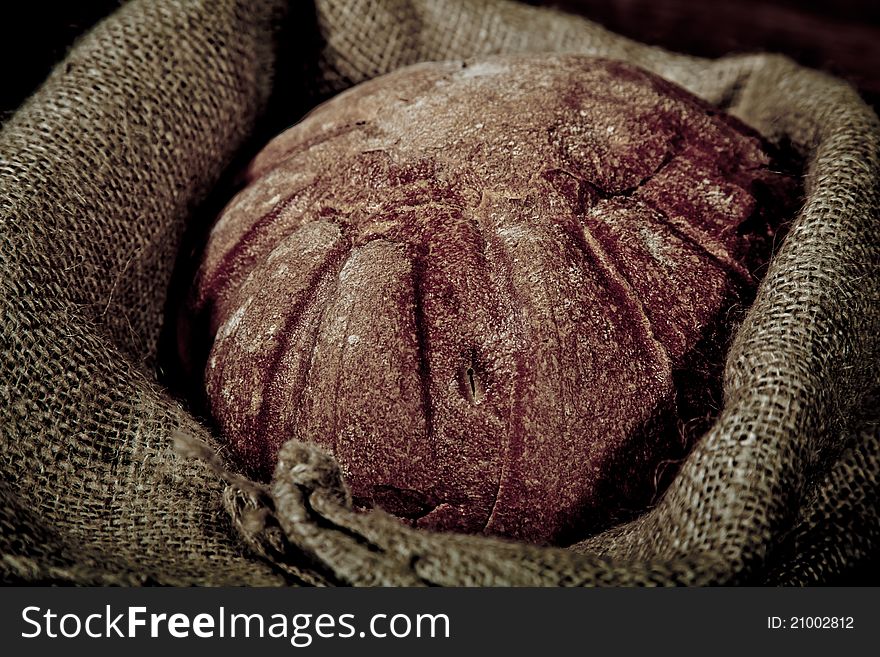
[840,36]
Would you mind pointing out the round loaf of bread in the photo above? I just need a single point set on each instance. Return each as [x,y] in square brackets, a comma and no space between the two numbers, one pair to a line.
[474,283]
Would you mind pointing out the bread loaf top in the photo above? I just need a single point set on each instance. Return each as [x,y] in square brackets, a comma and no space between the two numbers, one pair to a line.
[473,282]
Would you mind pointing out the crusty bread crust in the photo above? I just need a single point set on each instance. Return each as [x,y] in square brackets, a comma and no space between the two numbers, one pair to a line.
[472,283]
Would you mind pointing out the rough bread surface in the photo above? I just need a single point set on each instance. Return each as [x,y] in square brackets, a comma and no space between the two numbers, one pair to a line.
[473,282]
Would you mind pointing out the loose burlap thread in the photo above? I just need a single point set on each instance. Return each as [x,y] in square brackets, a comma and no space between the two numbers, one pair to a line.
[107,479]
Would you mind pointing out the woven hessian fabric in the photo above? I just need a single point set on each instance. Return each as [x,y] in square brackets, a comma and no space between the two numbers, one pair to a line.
[108,480]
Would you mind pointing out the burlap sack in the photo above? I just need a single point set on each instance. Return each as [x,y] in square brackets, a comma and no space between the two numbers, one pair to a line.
[105,167]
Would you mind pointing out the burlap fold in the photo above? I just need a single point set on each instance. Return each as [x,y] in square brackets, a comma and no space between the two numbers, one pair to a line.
[107,479]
